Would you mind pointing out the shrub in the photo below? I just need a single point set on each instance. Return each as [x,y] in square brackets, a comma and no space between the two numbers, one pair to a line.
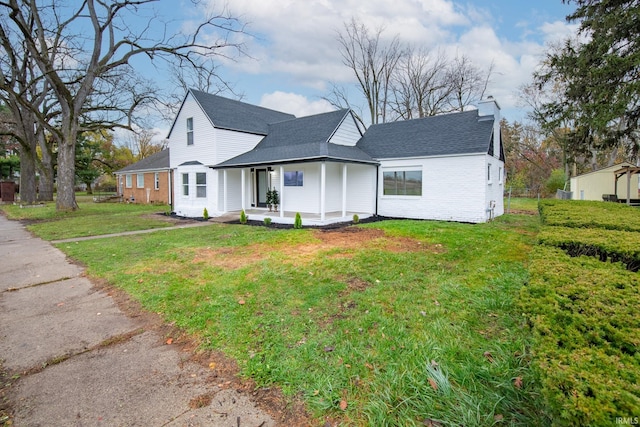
[243,217]
[267,221]
[589,214]
[205,214]
[356,219]
[605,245]
[555,181]
[584,317]
[297,223]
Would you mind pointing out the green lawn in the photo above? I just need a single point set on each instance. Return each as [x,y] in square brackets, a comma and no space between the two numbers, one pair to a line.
[404,322]
[91,219]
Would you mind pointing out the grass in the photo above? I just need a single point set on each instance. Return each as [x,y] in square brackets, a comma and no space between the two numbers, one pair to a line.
[521,204]
[91,219]
[417,323]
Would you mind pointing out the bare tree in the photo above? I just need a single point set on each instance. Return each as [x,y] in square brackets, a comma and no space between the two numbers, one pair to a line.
[420,85]
[373,62]
[83,51]
[468,82]
[141,144]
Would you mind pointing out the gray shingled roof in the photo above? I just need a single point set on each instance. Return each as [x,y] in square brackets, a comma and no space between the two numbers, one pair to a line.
[157,161]
[302,139]
[447,134]
[236,115]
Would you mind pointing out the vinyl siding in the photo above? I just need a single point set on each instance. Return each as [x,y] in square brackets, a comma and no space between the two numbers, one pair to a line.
[361,188]
[231,144]
[347,133]
[204,136]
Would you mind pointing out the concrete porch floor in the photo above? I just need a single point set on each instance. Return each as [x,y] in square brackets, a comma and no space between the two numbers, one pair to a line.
[308,219]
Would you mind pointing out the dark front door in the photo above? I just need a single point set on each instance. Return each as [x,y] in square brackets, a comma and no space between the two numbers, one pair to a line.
[261,187]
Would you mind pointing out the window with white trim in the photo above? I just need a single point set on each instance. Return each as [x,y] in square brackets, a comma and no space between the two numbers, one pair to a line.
[402,183]
[499,175]
[201,184]
[190,131]
[140,180]
[128,181]
[185,184]
[489,173]
[156,181]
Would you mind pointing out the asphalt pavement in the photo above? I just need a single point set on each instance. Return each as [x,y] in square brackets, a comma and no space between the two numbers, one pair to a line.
[75,358]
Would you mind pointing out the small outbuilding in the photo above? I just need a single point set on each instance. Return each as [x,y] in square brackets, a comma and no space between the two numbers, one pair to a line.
[603,184]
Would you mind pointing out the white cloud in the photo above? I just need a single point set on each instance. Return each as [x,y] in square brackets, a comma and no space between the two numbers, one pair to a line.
[295,43]
[557,30]
[295,104]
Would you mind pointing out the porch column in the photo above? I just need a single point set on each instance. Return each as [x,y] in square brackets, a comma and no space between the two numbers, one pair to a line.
[281,186]
[628,186]
[344,190]
[323,189]
[242,189]
[224,191]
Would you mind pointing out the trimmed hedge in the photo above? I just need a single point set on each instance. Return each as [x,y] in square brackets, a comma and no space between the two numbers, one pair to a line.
[584,314]
[605,245]
[589,214]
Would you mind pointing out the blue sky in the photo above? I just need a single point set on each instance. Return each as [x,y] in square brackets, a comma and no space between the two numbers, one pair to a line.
[294,52]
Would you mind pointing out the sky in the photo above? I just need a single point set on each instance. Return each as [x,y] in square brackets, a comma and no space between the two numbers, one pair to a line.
[293,53]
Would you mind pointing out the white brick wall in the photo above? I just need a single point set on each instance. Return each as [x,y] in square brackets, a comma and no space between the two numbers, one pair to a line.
[453,189]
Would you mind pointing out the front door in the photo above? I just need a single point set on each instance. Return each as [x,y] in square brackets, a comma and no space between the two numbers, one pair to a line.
[261,187]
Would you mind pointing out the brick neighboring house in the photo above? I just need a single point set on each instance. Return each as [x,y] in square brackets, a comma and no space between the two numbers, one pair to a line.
[148,181]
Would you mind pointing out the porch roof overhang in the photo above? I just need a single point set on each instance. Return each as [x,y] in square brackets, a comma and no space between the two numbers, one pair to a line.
[298,154]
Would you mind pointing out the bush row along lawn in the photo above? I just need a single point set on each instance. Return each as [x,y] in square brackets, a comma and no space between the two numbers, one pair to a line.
[589,214]
[91,219]
[584,313]
[418,323]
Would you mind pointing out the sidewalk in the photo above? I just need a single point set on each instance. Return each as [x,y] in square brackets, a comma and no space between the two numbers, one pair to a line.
[77,359]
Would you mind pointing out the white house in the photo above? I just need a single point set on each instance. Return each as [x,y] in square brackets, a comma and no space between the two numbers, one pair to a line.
[226,154]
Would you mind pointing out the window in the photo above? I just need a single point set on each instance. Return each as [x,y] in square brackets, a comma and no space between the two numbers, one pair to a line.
[185,184]
[402,183]
[499,175]
[140,180]
[489,173]
[294,179]
[190,131]
[156,181]
[129,181]
[201,184]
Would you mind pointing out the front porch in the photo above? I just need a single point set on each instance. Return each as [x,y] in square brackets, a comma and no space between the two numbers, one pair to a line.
[308,219]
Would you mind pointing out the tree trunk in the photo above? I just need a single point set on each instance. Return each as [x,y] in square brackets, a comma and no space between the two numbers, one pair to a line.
[45,168]
[27,174]
[66,200]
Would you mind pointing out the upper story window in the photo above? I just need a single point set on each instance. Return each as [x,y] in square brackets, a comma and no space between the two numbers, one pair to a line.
[402,183]
[129,181]
[140,180]
[190,131]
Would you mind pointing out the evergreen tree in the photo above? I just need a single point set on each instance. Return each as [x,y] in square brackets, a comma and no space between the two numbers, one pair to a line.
[601,74]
